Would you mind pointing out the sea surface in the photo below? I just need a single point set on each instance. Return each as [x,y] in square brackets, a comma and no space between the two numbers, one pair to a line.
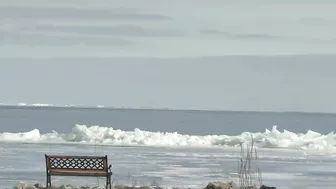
[172,148]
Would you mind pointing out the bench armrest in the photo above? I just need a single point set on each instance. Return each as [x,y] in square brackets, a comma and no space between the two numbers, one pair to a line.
[109,169]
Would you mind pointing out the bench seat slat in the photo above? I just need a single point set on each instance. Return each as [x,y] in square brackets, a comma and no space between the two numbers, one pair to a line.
[78,170]
[76,173]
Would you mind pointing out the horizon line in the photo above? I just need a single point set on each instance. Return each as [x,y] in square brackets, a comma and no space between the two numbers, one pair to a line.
[51,106]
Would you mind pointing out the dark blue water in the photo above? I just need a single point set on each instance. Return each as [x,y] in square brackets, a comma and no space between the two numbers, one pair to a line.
[18,119]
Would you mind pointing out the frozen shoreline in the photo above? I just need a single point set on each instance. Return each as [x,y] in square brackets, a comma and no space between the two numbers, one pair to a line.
[174,167]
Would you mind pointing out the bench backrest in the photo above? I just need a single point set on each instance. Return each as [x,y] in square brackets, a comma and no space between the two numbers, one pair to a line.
[77,163]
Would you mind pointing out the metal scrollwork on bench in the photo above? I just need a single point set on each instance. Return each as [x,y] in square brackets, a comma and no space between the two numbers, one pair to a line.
[76,163]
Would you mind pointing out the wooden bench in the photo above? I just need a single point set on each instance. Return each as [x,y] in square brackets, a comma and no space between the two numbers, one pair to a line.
[91,166]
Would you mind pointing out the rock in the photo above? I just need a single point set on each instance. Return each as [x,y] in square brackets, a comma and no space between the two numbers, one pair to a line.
[156,187]
[65,187]
[220,185]
[248,187]
[96,187]
[56,186]
[19,186]
[267,187]
[84,187]
[24,186]
[38,185]
[230,185]
[30,187]
[145,187]
[215,185]
[120,186]
[71,186]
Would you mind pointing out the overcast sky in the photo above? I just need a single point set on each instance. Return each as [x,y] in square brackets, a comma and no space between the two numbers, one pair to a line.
[155,55]
[229,83]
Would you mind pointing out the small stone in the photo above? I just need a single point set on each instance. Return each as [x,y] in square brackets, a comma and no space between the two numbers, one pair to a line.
[216,185]
[30,187]
[120,186]
[18,186]
[39,185]
[84,187]
[267,187]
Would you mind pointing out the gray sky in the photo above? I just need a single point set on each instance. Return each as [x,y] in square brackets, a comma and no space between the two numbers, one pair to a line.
[154,54]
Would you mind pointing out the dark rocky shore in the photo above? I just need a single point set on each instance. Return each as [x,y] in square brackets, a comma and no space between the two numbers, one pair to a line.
[211,185]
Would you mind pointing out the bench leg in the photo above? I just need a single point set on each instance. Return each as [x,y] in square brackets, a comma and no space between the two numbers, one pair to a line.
[108,182]
[48,181]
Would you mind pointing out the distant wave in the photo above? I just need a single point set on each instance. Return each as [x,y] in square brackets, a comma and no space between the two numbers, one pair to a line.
[83,134]
[48,105]
[37,105]
[239,35]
